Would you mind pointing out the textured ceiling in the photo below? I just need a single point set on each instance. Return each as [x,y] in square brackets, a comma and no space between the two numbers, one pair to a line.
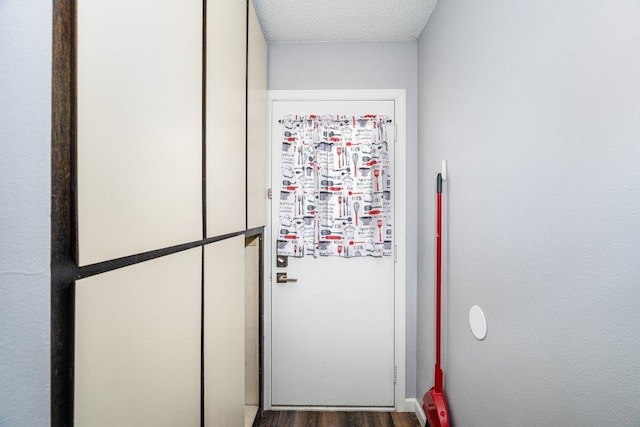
[343,20]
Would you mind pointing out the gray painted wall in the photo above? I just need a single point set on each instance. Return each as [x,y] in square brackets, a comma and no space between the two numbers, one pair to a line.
[536,106]
[25,129]
[390,65]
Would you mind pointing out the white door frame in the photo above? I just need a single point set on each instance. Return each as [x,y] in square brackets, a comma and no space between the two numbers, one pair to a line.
[400,229]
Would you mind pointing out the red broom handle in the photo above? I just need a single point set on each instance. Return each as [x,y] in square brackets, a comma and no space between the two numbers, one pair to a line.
[438,371]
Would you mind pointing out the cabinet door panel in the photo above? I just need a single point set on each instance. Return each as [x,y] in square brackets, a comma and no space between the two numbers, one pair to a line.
[137,344]
[257,124]
[139,94]
[226,121]
[224,333]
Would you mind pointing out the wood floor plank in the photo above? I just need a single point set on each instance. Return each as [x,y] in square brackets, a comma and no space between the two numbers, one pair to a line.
[377,419]
[404,419]
[338,419]
[355,419]
[268,419]
[306,419]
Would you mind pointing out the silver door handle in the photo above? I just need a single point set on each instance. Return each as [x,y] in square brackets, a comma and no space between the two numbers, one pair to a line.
[282,278]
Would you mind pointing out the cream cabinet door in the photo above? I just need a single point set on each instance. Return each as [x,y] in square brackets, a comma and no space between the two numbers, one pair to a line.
[224,330]
[256,124]
[137,344]
[226,116]
[139,126]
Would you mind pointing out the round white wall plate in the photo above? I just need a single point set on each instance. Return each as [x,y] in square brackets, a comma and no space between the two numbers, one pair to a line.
[478,322]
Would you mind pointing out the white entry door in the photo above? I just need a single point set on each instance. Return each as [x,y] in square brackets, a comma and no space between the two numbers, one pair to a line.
[332,328]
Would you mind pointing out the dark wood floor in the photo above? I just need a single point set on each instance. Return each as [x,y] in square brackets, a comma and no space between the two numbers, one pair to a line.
[338,419]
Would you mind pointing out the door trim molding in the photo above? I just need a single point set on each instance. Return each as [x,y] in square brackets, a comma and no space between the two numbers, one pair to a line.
[400,226]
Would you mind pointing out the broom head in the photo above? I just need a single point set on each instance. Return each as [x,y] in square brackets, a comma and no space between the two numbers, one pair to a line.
[435,408]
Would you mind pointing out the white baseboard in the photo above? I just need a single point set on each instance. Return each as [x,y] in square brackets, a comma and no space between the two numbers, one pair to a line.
[412,405]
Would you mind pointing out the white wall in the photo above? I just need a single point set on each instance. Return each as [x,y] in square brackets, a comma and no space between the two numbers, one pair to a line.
[389,65]
[25,139]
[536,106]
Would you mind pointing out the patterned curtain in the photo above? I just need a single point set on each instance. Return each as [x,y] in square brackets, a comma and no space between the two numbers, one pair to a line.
[335,197]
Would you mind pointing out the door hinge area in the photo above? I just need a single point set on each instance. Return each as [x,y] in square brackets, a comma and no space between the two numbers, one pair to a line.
[269,193]
[395,374]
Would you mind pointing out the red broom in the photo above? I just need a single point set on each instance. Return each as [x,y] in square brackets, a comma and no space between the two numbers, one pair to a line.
[434,402]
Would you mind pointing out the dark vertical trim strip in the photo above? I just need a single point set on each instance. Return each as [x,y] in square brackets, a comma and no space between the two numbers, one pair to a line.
[204,206]
[202,314]
[204,119]
[260,329]
[246,121]
[63,212]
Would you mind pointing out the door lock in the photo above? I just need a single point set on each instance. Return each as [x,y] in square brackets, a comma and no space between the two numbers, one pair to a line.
[282,278]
